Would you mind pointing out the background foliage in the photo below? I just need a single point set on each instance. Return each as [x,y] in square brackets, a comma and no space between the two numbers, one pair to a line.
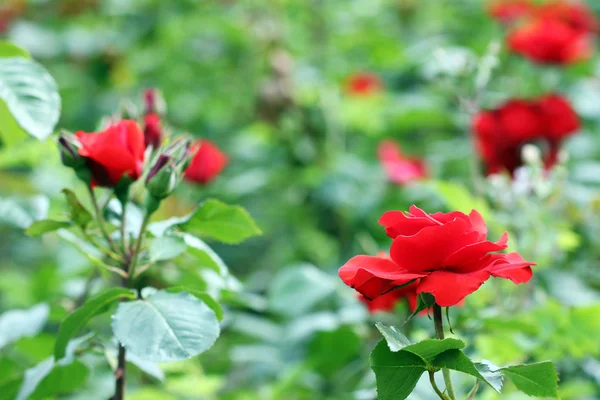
[266,80]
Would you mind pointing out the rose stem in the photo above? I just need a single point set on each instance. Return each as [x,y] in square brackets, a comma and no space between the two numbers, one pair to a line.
[439,332]
[435,386]
[101,220]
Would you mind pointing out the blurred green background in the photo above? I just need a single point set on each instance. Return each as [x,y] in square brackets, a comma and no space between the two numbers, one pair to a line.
[267,81]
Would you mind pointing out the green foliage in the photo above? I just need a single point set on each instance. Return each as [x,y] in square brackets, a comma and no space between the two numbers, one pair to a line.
[77,212]
[458,361]
[78,318]
[31,96]
[166,248]
[166,326]
[15,324]
[538,379]
[38,228]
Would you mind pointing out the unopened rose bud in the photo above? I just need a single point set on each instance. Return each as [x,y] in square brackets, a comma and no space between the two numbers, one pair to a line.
[154,102]
[69,155]
[162,178]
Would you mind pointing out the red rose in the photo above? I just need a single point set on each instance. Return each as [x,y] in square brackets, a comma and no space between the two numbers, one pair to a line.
[398,168]
[550,41]
[388,301]
[501,133]
[363,83]
[207,163]
[507,11]
[152,130]
[575,14]
[114,152]
[445,254]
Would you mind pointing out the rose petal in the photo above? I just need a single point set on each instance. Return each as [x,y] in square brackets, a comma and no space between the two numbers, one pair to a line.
[470,257]
[397,223]
[511,266]
[449,288]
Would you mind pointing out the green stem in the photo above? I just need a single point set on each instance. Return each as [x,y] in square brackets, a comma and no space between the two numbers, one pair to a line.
[100,219]
[435,386]
[439,333]
[138,246]
[123,236]
[473,391]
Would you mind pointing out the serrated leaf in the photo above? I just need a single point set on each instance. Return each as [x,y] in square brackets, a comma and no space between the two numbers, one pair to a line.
[166,326]
[38,228]
[205,256]
[394,338]
[15,324]
[539,379]
[228,224]
[397,373]
[428,349]
[166,247]
[78,318]
[78,213]
[457,360]
[205,297]
[149,367]
[30,94]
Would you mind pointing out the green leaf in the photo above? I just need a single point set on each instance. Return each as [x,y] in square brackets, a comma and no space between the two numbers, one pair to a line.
[78,318]
[78,213]
[458,361]
[62,379]
[424,302]
[149,367]
[539,380]
[428,349]
[204,255]
[397,373]
[205,297]
[30,94]
[166,326]
[8,49]
[33,377]
[394,338]
[228,224]
[166,247]
[10,131]
[21,213]
[15,324]
[295,290]
[38,228]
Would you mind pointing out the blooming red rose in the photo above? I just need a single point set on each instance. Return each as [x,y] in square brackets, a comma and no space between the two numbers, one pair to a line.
[501,133]
[507,11]
[207,163]
[550,41]
[152,130]
[114,152]
[445,254]
[363,83]
[575,14]
[399,168]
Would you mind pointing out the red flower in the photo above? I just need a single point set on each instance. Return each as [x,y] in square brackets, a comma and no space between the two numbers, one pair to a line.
[549,41]
[400,169]
[501,133]
[507,11]
[152,130]
[114,152]
[388,301]
[208,162]
[575,14]
[445,254]
[363,83]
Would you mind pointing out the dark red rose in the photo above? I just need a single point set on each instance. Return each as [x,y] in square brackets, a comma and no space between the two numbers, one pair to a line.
[399,168]
[575,14]
[363,83]
[152,130]
[445,254]
[507,11]
[549,41]
[114,152]
[208,162]
[501,133]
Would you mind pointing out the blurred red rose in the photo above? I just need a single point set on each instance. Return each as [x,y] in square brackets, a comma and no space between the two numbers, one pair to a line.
[507,11]
[575,14]
[363,83]
[9,11]
[207,163]
[114,152]
[549,41]
[445,254]
[501,133]
[152,130]
[399,168]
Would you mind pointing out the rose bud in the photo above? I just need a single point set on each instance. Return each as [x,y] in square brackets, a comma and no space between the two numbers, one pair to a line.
[207,163]
[152,130]
[114,153]
[162,178]
[69,147]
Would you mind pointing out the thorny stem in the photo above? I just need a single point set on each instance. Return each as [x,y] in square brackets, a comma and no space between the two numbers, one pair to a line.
[100,219]
[435,386]
[439,333]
